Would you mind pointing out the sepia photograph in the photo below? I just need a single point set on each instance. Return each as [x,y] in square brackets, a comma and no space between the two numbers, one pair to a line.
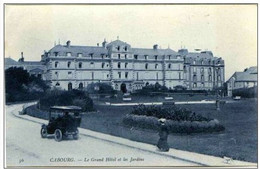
[130,85]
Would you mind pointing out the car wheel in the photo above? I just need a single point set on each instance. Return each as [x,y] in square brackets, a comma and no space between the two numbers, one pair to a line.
[43,132]
[76,136]
[58,135]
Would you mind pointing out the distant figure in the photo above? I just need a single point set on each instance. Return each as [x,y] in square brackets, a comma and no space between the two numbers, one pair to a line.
[163,133]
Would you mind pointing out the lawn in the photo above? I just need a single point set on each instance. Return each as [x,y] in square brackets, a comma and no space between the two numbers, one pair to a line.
[238,141]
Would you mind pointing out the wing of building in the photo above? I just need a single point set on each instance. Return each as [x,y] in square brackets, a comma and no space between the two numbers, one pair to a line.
[245,79]
[124,67]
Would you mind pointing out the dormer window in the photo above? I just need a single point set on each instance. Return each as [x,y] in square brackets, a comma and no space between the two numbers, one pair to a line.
[68,53]
[79,54]
[91,55]
[56,53]
[118,48]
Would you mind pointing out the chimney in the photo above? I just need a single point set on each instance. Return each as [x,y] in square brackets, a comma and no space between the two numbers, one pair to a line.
[68,43]
[104,44]
[155,46]
[98,44]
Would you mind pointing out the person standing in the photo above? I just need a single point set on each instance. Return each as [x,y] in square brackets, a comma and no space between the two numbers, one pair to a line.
[163,134]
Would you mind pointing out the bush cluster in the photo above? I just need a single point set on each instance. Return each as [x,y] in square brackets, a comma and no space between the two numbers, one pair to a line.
[21,86]
[246,92]
[66,98]
[188,127]
[172,113]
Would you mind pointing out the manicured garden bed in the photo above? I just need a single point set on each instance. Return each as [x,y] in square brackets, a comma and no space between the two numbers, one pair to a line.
[178,120]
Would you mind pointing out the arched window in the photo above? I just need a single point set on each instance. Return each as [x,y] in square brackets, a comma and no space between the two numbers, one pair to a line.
[80,65]
[146,66]
[119,65]
[56,64]
[169,66]
[57,84]
[80,86]
[156,66]
[69,63]
[70,86]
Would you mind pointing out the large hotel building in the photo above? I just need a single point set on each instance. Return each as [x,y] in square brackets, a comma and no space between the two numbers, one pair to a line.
[122,66]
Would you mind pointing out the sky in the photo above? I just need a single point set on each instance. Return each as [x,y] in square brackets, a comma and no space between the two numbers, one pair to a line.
[229,31]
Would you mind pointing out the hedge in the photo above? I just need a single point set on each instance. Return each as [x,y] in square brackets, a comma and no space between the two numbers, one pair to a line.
[150,122]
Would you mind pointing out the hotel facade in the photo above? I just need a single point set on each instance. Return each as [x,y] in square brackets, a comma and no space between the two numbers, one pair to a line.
[124,67]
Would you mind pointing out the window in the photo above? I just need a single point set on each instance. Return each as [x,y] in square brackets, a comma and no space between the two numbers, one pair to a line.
[125,56]
[68,53]
[102,56]
[203,85]
[169,57]
[169,66]
[194,84]
[137,75]
[118,48]
[202,77]
[91,55]
[57,75]
[209,70]
[126,65]
[116,86]
[118,65]
[146,66]
[185,69]
[210,78]
[92,75]
[118,56]
[69,63]
[119,75]
[202,70]
[179,75]
[126,75]
[145,57]
[201,62]
[80,65]
[56,64]
[156,66]
[195,77]
[92,64]
[80,86]
[157,76]
[70,86]
[57,84]
[79,54]
[194,62]
[155,57]
[136,57]
[103,65]
[219,78]
[56,53]
[125,48]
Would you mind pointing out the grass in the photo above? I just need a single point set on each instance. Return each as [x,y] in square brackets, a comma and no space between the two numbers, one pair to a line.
[238,141]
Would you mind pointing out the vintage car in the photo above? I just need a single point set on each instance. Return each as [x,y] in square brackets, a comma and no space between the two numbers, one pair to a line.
[63,122]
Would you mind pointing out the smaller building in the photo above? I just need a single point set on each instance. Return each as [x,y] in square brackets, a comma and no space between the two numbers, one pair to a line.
[246,79]
[35,68]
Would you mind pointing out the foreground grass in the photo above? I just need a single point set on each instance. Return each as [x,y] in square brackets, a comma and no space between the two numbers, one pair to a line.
[238,141]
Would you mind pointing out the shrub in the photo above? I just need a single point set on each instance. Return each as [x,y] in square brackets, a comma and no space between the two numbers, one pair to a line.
[171,113]
[150,122]
[100,88]
[66,98]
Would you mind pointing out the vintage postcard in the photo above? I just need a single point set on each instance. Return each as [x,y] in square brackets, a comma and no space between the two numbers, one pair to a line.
[130,85]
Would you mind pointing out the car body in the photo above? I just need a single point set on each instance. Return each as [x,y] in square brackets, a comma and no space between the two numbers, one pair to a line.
[63,122]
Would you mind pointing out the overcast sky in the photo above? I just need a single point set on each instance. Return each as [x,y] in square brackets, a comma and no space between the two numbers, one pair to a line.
[229,31]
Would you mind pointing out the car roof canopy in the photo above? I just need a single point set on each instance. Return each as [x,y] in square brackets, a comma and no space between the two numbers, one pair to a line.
[66,108]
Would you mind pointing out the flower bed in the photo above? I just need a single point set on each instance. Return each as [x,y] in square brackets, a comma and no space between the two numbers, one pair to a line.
[178,120]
